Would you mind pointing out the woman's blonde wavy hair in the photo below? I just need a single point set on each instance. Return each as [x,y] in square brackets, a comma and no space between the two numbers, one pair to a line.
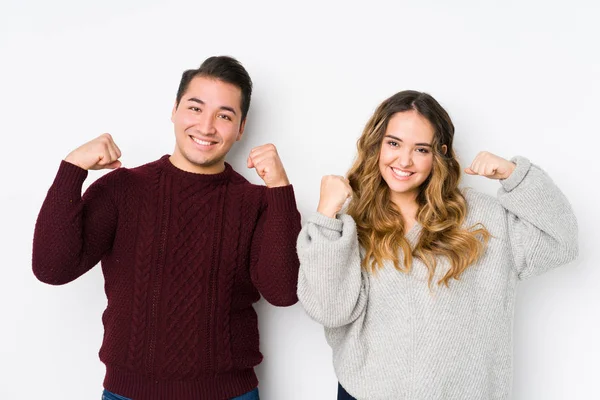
[442,207]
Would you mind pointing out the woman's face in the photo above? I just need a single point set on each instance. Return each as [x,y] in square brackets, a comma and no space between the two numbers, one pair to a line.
[406,158]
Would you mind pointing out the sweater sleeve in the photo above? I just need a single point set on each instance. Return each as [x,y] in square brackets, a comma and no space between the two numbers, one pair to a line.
[542,225]
[72,232]
[331,284]
[274,262]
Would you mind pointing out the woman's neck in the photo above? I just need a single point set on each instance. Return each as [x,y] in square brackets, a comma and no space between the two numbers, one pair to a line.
[408,206]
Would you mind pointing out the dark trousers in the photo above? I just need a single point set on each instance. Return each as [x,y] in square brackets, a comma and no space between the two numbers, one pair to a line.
[342,394]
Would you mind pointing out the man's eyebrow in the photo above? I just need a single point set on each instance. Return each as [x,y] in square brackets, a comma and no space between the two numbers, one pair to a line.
[225,108]
[195,100]
[400,140]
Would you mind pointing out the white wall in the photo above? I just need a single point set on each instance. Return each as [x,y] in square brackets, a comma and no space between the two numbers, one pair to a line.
[517,78]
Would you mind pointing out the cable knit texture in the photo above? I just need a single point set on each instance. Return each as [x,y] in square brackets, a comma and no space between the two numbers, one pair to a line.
[184,257]
[394,338]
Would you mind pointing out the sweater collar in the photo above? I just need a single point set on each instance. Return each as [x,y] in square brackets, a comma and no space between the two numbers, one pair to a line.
[169,168]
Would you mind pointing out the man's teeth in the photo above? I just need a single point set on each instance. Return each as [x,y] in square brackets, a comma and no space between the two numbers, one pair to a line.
[401,173]
[202,142]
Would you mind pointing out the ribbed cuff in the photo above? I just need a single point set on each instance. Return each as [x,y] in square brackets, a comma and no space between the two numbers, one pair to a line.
[69,177]
[281,198]
[326,222]
[519,173]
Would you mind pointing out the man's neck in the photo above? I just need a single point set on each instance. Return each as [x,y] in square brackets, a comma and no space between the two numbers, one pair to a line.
[184,165]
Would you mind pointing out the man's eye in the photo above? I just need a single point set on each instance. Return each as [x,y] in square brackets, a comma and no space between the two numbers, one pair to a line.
[195,109]
[225,117]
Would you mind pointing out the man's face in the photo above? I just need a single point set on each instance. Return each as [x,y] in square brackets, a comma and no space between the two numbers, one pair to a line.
[207,121]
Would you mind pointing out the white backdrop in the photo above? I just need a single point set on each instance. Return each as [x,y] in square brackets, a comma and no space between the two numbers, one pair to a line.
[517,78]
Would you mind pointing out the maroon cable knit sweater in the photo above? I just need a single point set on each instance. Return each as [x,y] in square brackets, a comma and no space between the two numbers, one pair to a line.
[184,257]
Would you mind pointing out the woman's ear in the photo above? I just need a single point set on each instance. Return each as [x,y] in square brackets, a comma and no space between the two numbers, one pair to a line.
[444,149]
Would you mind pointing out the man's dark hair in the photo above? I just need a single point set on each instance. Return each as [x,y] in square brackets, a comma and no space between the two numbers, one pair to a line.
[223,68]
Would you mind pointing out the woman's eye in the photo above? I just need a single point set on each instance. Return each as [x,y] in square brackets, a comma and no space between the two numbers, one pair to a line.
[423,150]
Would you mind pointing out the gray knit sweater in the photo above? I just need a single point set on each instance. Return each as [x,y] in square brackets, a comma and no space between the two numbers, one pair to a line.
[395,338]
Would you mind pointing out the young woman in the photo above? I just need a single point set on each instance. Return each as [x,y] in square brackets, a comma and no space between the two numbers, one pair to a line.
[415,284]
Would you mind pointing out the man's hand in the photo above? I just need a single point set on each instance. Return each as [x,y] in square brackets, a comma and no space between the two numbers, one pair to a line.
[100,153]
[265,160]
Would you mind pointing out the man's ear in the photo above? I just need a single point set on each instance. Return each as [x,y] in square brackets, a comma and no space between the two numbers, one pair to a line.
[173,112]
[241,132]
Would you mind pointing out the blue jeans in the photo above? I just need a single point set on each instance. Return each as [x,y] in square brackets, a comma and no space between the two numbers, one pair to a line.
[106,395]
[251,395]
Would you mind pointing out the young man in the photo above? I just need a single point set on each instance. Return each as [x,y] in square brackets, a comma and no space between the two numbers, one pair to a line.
[187,246]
